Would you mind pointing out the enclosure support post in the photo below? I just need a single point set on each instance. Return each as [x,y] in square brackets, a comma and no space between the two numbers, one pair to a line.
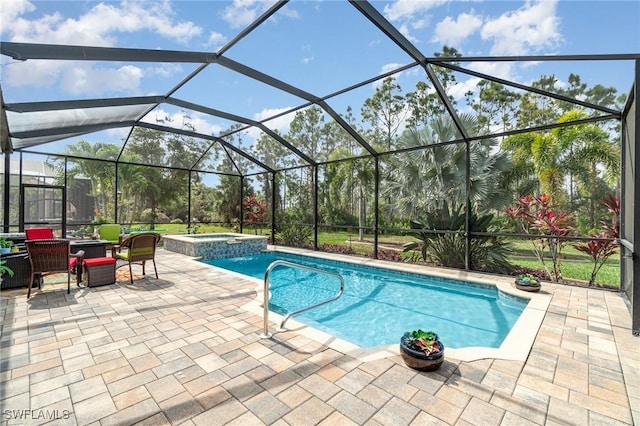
[635,269]
[315,207]
[116,219]
[63,231]
[7,189]
[376,215]
[273,208]
[467,216]
[21,199]
[241,207]
[189,201]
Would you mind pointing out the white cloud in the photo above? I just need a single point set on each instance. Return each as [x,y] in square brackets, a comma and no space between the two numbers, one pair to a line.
[504,70]
[404,30]
[99,25]
[88,81]
[452,32]
[84,79]
[406,9]
[307,60]
[280,123]
[386,68]
[11,11]
[410,15]
[216,40]
[79,79]
[528,29]
[390,67]
[460,88]
[243,12]
[164,70]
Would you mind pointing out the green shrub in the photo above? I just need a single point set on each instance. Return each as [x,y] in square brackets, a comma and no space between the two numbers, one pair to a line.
[487,254]
[295,236]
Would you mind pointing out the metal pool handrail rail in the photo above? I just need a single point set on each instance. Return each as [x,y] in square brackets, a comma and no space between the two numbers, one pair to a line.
[265,334]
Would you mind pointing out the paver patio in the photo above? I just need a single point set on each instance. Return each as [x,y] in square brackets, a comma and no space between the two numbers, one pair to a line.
[182,350]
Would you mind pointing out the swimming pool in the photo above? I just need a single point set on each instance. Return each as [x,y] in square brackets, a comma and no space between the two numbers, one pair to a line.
[379,305]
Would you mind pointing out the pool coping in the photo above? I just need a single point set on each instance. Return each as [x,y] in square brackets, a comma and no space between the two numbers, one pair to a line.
[516,345]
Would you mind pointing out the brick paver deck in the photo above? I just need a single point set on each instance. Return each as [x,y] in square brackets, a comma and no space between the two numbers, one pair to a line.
[182,350]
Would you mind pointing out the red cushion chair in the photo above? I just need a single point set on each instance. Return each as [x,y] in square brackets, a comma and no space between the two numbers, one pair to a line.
[51,256]
[39,233]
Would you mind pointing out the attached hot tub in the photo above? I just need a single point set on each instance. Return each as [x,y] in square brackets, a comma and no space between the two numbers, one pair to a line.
[215,246]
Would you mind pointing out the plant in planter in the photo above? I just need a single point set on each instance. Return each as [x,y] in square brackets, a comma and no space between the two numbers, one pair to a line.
[5,245]
[527,282]
[4,269]
[422,350]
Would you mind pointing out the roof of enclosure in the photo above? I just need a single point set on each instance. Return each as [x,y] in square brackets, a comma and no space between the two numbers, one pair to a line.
[222,129]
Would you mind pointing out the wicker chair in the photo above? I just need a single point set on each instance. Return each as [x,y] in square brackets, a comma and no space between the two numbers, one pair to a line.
[51,256]
[140,248]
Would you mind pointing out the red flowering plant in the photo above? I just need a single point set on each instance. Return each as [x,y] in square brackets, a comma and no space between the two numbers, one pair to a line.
[605,245]
[255,211]
[536,216]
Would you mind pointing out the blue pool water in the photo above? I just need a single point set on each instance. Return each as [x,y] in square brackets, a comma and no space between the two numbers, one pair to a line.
[379,305]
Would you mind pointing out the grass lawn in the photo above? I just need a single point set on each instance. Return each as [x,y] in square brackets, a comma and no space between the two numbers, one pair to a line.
[575,264]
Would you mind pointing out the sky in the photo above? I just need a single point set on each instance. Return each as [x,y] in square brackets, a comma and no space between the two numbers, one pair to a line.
[318,46]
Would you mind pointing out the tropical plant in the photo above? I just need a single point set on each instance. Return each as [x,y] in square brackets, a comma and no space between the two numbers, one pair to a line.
[537,216]
[528,279]
[433,173]
[4,269]
[602,248]
[295,236]
[568,161]
[4,243]
[447,245]
[255,211]
[422,341]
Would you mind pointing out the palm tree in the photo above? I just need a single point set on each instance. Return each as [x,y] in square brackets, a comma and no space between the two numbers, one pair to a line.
[435,177]
[99,173]
[567,158]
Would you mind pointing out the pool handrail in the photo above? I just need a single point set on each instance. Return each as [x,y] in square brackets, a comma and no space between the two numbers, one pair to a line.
[265,334]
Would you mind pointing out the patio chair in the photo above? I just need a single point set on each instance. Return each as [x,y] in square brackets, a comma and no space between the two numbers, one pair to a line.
[51,256]
[110,232]
[39,233]
[139,247]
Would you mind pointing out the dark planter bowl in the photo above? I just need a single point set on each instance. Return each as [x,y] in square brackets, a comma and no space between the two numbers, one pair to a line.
[527,286]
[418,360]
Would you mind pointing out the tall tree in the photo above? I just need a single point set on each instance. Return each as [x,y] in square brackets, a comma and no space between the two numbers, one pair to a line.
[538,110]
[385,112]
[495,106]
